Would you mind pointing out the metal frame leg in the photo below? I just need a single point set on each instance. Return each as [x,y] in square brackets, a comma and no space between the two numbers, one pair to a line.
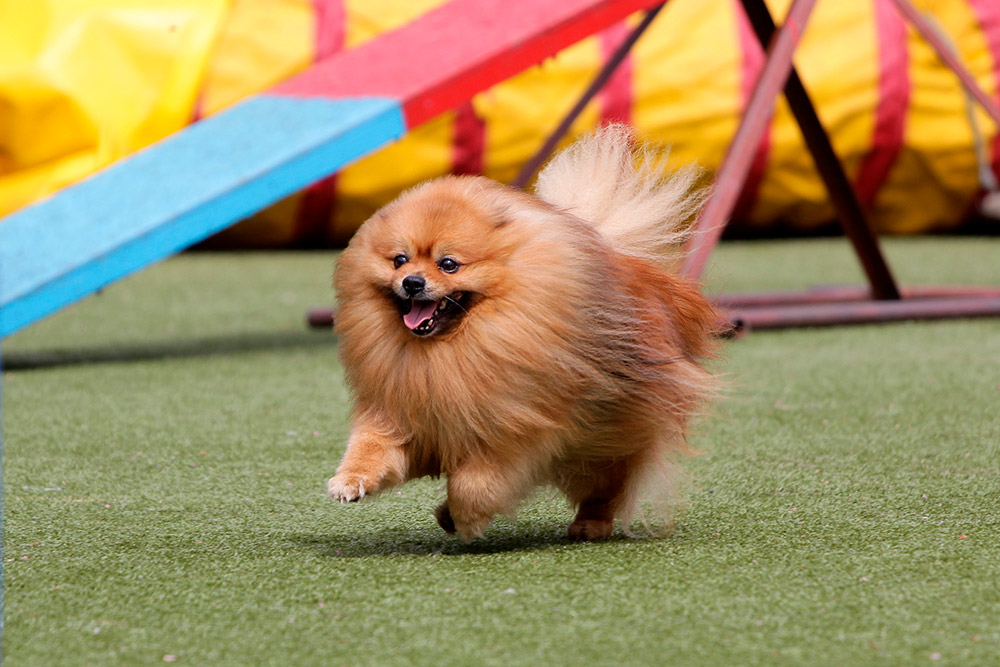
[849,211]
[779,73]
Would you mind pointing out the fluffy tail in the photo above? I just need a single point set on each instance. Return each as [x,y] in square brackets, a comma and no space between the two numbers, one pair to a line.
[622,188]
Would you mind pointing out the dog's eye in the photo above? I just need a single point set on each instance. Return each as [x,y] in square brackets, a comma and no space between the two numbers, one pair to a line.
[448,265]
[399,260]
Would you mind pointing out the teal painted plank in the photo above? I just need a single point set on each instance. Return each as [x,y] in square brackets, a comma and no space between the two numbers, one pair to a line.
[176,193]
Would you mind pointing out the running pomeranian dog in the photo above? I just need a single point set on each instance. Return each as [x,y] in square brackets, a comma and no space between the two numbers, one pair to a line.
[508,341]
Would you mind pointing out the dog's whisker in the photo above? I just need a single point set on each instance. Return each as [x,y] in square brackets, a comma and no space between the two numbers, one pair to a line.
[456,303]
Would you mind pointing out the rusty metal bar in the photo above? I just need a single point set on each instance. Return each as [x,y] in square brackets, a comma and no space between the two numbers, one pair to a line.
[842,293]
[732,173]
[863,312]
[948,56]
[320,318]
[534,164]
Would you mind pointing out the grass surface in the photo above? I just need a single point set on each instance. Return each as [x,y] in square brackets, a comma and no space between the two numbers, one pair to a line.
[167,444]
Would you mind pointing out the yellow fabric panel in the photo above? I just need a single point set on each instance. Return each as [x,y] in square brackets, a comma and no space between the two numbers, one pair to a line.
[688,95]
[261,43]
[934,179]
[85,82]
[29,107]
[838,62]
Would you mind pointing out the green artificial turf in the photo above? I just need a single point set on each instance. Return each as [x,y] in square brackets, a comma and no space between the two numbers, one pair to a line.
[166,446]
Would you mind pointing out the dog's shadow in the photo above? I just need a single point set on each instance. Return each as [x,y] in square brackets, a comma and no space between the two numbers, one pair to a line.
[433,541]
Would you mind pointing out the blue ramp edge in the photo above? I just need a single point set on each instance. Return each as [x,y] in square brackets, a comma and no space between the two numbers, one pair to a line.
[178,192]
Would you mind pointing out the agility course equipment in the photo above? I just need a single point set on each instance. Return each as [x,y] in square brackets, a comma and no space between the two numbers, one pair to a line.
[883,300]
[181,190]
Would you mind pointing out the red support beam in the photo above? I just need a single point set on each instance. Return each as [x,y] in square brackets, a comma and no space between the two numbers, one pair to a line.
[735,166]
[861,312]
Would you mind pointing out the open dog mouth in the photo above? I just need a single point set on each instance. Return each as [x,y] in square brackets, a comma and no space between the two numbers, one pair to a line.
[424,318]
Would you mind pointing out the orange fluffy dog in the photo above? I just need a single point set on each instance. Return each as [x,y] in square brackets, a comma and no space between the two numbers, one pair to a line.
[507,341]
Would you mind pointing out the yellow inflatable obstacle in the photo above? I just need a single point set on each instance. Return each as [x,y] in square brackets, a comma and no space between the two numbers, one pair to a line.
[85,82]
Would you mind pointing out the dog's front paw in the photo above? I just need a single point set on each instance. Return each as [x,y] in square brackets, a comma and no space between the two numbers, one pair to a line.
[347,487]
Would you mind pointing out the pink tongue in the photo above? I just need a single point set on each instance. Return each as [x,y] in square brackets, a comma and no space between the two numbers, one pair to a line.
[418,313]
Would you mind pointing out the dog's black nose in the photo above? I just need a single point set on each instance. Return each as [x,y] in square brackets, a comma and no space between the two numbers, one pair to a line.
[414,285]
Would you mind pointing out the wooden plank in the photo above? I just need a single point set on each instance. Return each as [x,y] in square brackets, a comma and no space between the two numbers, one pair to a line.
[449,54]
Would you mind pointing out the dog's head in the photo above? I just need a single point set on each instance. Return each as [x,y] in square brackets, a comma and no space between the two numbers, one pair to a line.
[434,255]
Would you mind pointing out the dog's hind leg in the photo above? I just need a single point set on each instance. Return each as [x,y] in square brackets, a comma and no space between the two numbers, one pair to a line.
[597,491]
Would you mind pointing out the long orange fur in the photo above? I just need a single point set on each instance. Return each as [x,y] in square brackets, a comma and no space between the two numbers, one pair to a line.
[577,363]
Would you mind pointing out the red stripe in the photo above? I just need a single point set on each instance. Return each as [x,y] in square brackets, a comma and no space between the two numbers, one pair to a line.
[751,67]
[317,205]
[469,141]
[894,87]
[329,25]
[616,96]
[988,14]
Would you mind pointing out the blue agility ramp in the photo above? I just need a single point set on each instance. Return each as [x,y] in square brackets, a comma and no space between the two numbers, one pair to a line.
[176,193]
[203,179]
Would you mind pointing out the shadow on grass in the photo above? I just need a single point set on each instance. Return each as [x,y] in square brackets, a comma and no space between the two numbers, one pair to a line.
[175,349]
[425,542]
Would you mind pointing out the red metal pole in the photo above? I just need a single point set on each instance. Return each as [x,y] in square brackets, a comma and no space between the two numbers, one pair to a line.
[843,293]
[320,318]
[864,312]
[733,172]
